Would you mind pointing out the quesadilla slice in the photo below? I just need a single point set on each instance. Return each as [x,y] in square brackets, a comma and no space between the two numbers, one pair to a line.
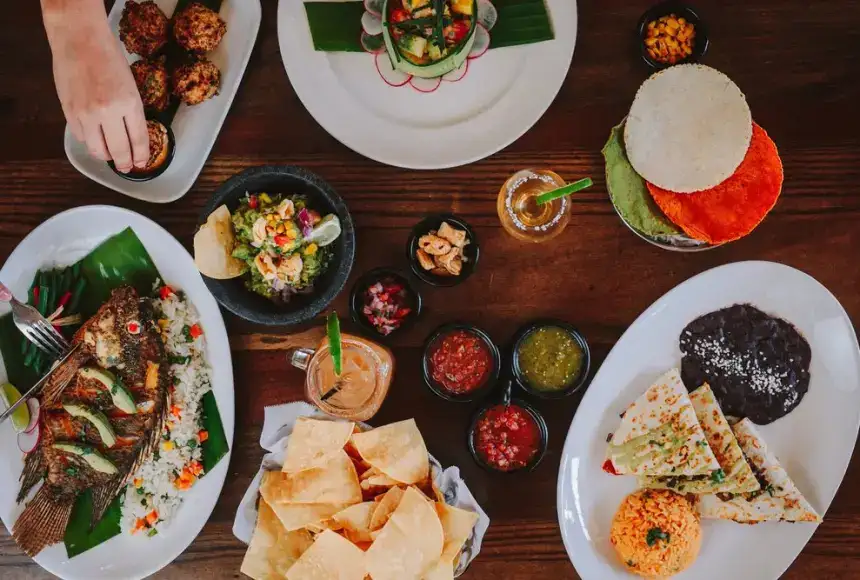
[660,435]
[778,499]
[735,475]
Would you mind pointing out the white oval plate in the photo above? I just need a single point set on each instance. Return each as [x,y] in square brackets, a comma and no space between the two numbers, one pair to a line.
[195,128]
[62,240]
[814,442]
[504,93]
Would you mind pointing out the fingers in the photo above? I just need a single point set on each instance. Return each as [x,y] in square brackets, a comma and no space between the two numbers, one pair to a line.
[118,143]
[95,140]
[135,124]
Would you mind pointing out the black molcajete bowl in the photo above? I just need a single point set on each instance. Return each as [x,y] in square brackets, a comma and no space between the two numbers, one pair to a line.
[288,180]
[700,44]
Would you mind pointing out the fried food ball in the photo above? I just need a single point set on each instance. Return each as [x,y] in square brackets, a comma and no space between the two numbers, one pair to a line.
[196,81]
[143,28]
[198,28]
[151,79]
[159,147]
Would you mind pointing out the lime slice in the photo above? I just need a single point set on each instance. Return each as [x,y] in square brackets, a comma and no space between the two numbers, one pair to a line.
[21,416]
[563,191]
[335,343]
[325,232]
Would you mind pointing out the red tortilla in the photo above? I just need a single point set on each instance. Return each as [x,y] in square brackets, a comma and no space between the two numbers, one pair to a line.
[734,208]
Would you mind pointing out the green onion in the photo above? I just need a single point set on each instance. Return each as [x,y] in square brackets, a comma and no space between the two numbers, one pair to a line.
[76,295]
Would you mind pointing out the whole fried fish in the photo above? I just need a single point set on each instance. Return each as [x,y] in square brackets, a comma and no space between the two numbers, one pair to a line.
[103,412]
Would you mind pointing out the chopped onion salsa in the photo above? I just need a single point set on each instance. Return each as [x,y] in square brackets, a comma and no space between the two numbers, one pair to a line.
[507,437]
[386,305]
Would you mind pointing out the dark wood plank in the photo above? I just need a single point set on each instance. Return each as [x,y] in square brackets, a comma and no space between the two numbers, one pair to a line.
[795,61]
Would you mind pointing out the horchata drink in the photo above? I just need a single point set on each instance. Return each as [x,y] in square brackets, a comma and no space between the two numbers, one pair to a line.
[521,214]
[360,388]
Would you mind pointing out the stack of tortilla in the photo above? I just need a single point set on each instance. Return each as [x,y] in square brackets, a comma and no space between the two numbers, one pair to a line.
[689,164]
[672,440]
[351,505]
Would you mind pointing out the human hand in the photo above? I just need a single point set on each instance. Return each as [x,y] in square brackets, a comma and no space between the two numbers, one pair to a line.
[95,86]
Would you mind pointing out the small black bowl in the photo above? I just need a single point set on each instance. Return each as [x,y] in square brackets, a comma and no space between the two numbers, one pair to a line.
[356,301]
[471,252]
[578,381]
[700,44]
[539,421]
[140,176]
[439,389]
[234,296]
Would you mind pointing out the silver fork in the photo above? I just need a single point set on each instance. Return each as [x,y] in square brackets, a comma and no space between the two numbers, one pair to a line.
[34,326]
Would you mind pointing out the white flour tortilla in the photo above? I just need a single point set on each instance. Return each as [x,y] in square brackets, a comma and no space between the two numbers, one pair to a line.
[688,129]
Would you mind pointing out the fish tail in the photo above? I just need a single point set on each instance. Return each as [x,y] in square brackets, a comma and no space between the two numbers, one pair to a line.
[32,474]
[103,497]
[43,522]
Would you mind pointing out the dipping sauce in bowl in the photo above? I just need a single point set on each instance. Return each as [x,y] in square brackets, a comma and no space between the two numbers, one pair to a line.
[508,437]
[551,359]
[459,362]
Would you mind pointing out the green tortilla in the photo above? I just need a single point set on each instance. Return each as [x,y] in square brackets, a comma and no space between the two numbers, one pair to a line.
[629,193]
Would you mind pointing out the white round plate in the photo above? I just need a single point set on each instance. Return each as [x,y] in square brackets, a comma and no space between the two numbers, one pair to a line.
[814,442]
[62,240]
[504,93]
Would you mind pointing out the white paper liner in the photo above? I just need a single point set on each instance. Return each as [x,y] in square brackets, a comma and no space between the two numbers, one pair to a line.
[277,427]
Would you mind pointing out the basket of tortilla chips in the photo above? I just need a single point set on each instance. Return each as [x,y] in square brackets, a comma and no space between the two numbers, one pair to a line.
[342,500]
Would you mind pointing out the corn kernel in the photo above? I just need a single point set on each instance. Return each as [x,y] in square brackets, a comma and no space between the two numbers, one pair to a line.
[311,250]
[280,229]
[167,445]
[264,197]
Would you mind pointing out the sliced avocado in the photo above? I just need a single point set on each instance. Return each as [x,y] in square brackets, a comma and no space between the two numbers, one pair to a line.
[98,420]
[120,396]
[415,45]
[89,454]
[434,51]
[243,252]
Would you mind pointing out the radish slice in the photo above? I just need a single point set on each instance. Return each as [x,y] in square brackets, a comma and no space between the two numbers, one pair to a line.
[372,44]
[389,74]
[33,406]
[27,442]
[487,14]
[456,74]
[371,24]
[482,42]
[374,6]
[425,85]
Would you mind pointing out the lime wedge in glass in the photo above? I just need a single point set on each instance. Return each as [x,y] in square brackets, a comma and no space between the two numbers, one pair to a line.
[325,232]
[335,342]
[21,417]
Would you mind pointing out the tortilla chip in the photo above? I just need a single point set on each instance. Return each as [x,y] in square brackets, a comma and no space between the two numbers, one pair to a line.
[385,507]
[273,550]
[334,483]
[354,521]
[315,442]
[397,450]
[331,557]
[213,247]
[444,568]
[411,542]
[457,524]
[735,207]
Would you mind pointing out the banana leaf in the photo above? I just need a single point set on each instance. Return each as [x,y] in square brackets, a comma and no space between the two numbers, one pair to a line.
[121,259]
[336,26]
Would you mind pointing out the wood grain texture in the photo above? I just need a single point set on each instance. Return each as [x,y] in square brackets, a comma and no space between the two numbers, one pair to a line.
[795,61]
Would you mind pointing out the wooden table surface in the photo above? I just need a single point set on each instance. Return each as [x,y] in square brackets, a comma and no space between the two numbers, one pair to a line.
[797,63]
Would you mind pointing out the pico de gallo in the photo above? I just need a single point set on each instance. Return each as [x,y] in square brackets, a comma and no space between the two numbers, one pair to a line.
[427,31]
[460,361]
[507,437]
[387,305]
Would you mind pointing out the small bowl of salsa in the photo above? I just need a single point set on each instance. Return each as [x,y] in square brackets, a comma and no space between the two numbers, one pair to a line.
[461,363]
[551,359]
[383,302]
[508,437]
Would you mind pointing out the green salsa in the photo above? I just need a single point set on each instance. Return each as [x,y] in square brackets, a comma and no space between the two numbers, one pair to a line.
[549,358]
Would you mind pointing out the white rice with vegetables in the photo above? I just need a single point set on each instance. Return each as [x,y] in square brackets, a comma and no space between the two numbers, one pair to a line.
[155,491]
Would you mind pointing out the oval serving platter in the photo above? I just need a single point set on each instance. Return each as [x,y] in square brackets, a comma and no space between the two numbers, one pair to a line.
[62,240]
[814,442]
[195,128]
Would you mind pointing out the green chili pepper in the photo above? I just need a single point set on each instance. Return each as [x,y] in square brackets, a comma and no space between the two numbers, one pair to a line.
[335,342]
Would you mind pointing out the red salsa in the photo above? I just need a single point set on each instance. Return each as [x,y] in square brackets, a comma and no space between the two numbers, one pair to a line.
[507,437]
[460,361]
